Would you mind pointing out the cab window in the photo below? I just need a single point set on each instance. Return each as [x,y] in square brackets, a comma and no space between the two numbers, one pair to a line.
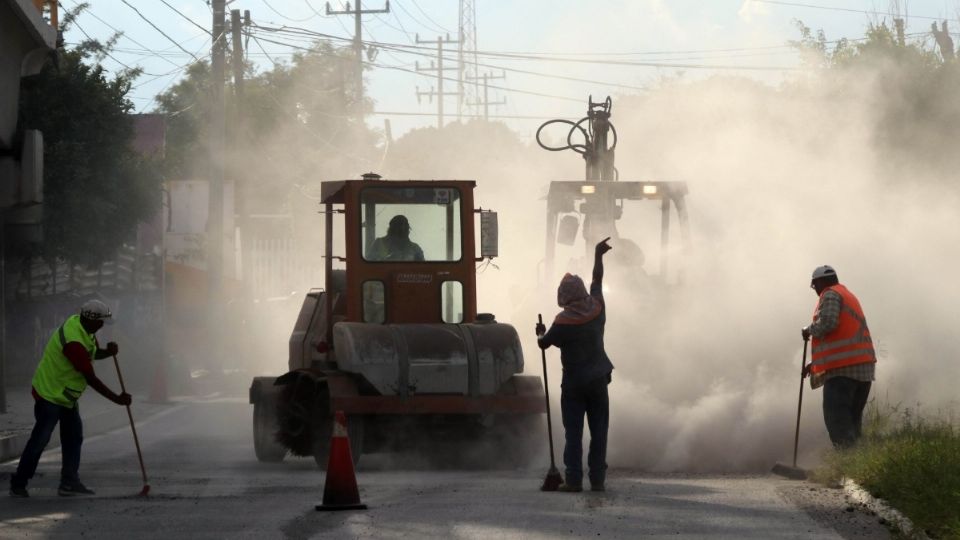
[411,224]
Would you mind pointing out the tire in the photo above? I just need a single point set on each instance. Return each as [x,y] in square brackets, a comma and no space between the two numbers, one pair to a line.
[265,427]
[355,430]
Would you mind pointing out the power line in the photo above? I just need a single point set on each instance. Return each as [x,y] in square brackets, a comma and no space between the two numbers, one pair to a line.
[257,41]
[505,116]
[123,34]
[418,21]
[286,17]
[107,52]
[407,70]
[181,68]
[313,9]
[188,19]
[155,27]
[849,10]
[513,56]
[429,18]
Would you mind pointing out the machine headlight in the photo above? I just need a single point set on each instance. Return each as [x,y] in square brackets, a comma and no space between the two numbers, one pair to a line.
[649,190]
[588,190]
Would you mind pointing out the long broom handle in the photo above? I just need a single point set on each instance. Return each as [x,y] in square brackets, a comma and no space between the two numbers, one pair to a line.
[133,427]
[796,434]
[546,394]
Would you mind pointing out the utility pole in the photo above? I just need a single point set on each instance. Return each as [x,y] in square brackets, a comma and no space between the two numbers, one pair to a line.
[241,193]
[438,67]
[467,55]
[215,196]
[486,78]
[358,42]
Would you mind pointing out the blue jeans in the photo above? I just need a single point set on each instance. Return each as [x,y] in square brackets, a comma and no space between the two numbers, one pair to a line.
[843,402]
[592,400]
[47,416]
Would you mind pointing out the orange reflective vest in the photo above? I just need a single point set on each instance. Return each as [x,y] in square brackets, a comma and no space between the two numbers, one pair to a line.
[849,343]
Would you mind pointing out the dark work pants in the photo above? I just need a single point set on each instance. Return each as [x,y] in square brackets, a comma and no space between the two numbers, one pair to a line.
[47,416]
[592,400]
[843,402]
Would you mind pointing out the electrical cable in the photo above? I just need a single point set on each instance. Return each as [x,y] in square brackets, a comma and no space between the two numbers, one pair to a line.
[429,18]
[257,41]
[407,70]
[286,17]
[416,20]
[313,9]
[108,54]
[155,27]
[849,10]
[188,19]
[123,34]
[511,56]
[431,55]
[504,116]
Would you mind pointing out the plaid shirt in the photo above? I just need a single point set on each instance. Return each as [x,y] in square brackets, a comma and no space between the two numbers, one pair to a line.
[825,320]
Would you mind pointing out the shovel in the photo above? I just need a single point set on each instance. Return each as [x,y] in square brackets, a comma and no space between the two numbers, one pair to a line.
[553,478]
[794,472]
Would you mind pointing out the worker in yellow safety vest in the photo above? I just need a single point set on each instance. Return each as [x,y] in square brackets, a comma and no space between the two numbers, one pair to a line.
[843,359]
[63,374]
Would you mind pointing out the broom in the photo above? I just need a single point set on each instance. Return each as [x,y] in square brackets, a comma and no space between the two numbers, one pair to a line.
[553,478]
[794,472]
[146,487]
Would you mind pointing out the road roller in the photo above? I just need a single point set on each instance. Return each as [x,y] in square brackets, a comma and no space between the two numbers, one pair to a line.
[393,339]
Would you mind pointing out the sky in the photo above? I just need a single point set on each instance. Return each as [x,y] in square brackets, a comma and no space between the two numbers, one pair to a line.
[745,37]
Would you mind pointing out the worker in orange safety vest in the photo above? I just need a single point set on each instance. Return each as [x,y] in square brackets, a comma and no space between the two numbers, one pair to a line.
[843,359]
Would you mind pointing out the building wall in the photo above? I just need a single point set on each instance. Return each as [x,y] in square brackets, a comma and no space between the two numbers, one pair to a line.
[15,42]
[23,35]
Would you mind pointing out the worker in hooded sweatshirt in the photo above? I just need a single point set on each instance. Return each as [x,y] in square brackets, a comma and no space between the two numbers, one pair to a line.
[61,377]
[843,358]
[578,332]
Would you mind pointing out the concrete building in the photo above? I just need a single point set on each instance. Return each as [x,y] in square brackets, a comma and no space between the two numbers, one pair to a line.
[27,39]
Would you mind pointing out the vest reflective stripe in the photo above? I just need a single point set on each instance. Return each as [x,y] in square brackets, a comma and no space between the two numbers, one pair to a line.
[849,343]
[56,380]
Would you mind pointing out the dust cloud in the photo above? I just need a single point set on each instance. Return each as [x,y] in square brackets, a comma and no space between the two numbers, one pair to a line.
[782,178]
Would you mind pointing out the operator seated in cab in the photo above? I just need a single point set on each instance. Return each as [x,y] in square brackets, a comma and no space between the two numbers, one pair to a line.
[396,245]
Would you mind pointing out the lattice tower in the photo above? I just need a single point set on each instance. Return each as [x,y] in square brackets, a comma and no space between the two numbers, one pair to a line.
[468,92]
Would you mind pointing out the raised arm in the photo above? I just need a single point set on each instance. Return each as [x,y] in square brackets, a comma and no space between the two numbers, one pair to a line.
[602,247]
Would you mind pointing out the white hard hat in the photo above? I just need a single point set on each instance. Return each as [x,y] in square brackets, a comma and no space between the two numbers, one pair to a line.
[823,271]
[95,310]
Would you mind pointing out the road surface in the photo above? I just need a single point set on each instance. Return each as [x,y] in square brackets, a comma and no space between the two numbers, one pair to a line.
[206,483]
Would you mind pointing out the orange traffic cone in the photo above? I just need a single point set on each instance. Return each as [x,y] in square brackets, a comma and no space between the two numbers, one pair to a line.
[340,489]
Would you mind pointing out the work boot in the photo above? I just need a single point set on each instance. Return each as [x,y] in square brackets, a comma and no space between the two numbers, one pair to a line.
[75,488]
[19,492]
[570,488]
[597,487]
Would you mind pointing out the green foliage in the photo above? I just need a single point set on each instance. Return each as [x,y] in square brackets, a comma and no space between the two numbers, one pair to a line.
[96,188]
[295,123]
[911,462]
[910,86]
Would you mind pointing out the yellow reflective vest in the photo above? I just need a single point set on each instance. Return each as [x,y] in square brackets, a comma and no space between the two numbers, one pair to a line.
[56,380]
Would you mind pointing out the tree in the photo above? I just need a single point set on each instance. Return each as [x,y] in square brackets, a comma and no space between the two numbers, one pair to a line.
[293,126]
[96,187]
[911,88]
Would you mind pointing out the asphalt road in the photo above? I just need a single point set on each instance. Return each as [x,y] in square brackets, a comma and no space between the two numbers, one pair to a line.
[206,483]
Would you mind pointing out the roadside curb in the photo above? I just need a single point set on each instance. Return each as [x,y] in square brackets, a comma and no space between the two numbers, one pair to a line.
[12,446]
[856,494]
